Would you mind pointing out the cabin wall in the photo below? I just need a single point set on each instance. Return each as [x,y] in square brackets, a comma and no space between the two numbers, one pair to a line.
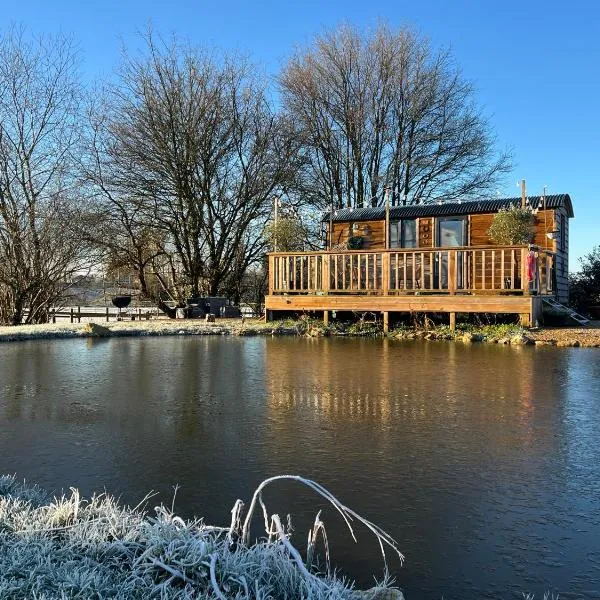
[480,223]
[372,231]
[561,246]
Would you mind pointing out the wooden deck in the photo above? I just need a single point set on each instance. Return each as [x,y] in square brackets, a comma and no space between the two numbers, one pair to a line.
[486,279]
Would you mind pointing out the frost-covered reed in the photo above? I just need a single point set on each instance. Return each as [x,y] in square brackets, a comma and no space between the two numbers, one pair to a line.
[67,547]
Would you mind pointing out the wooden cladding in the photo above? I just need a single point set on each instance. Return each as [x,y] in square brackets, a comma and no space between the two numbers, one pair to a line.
[373,232]
[426,237]
[544,223]
[492,269]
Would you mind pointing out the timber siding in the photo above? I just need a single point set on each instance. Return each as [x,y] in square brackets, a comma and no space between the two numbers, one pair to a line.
[544,222]
[562,255]
[373,233]
[425,227]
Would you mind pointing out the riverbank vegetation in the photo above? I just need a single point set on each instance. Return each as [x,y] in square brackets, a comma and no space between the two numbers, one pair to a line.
[584,286]
[313,328]
[167,174]
[68,547]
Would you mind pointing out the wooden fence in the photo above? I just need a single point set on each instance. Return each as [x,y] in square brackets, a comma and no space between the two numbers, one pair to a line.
[76,313]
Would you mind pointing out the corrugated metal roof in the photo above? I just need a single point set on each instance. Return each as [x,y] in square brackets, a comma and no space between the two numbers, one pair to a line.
[467,207]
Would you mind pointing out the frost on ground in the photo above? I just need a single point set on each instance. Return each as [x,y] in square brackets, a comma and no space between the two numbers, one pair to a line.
[59,548]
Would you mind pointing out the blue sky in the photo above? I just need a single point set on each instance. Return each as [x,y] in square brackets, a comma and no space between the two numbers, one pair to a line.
[535,65]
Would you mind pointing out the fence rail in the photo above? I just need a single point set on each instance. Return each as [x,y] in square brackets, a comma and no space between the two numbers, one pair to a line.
[76,313]
[485,269]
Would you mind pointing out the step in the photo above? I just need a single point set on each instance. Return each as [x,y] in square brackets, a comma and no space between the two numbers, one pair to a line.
[569,312]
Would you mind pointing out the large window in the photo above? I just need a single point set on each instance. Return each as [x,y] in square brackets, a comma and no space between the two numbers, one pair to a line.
[403,233]
[451,232]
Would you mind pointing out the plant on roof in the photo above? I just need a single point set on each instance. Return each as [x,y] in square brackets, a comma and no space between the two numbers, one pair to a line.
[512,225]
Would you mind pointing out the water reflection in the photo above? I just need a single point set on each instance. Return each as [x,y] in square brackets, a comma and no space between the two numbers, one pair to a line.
[481,460]
[349,381]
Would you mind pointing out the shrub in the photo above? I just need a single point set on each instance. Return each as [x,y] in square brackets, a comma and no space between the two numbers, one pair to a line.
[512,225]
[287,234]
[584,287]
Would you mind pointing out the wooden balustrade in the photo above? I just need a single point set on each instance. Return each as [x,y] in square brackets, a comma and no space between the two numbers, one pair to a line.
[489,269]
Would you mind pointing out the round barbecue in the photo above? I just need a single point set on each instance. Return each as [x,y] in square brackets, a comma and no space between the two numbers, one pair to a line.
[121,301]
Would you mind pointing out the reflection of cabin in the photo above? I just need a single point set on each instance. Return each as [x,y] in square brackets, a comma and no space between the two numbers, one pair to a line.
[429,251]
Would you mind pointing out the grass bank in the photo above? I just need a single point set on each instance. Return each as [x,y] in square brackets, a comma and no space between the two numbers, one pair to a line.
[68,547]
[311,327]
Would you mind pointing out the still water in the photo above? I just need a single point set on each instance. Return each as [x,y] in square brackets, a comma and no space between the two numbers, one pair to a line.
[482,461]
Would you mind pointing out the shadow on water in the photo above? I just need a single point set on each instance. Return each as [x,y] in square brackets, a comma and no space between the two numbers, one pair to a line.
[482,461]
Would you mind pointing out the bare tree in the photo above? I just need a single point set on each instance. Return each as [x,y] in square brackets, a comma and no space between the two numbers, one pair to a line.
[39,101]
[191,148]
[386,111]
[116,222]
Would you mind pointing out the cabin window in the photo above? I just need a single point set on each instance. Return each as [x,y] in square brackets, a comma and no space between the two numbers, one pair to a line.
[403,233]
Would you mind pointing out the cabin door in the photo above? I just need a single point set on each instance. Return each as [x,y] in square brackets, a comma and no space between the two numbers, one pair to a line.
[450,233]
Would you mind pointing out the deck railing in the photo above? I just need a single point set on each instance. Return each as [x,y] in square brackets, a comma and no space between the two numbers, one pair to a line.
[483,269]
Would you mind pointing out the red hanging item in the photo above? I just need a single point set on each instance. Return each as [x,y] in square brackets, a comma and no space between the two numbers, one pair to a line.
[531,265]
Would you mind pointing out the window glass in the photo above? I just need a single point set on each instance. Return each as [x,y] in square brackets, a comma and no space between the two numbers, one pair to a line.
[451,232]
[409,233]
[403,234]
[395,237]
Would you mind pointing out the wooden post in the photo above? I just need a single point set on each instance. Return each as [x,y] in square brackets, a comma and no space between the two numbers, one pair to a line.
[524,280]
[386,322]
[325,273]
[452,272]
[385,273]
[326,318]
[107,312]
[139,313]
[276,209]
[271,274]
[452,321]
[387,218]
[71,314]
[330,232]
[54,315]
[79,314]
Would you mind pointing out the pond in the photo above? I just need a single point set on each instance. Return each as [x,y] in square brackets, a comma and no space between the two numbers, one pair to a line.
[483,461]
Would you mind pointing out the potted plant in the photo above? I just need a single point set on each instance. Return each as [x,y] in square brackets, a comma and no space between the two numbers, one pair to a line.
[356,242]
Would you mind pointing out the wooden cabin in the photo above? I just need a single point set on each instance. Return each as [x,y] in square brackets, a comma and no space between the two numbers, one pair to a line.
[440,253]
